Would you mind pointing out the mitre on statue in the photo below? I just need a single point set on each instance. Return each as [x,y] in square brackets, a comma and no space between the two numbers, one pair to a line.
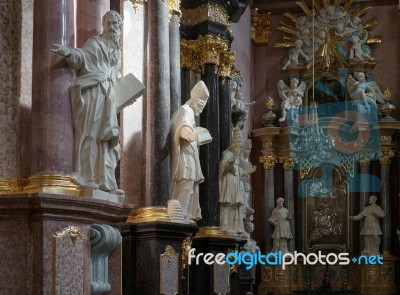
[200,91]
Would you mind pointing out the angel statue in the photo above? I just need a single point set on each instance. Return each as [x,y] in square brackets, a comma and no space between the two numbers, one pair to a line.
[356,50]
[364,94]
[291,100]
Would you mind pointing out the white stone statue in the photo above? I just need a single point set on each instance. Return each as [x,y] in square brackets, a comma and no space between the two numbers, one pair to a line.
[246,168]
[372,229]
[364,95]
[185,164]
[291,100]
[294,54]
[238,105]
[356,51]
[230,193]
[280,220]
[94,116]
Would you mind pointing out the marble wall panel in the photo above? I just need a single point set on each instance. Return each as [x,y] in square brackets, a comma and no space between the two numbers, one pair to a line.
[16,258]
[132,116]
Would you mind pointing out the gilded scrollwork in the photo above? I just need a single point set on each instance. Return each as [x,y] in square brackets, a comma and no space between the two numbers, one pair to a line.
[73,231]
[186,246]
[259,26]
[268,161]
[225,68]
[206,12]
[173,7]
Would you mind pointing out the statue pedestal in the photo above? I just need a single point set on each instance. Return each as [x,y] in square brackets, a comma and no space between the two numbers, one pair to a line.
[102,195]
[379,278]
[276,280]
[152,255]
[45,241]
[214,279]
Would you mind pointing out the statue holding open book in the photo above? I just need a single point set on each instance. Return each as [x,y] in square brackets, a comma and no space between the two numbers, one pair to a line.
[185,164]
[96,96]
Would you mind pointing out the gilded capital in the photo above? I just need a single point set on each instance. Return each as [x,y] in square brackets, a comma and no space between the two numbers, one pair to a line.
[259,26]
[386,156]
[364,164]
[268,161]
[287,162]
[227,59]
[173,7]
[206,12]
[206,49]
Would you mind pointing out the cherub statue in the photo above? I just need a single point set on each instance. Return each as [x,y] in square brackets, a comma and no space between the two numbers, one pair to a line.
[238,105]
[291,100]
[364,95]
[294,54]
[356,51]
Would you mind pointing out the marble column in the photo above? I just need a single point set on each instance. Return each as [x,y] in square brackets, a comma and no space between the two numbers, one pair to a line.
[157,173]
[364,197]
[269,161]
[209,153]
[52,137]
[175,64]
[225,114]
[89,19]
[289,197]
[386,203]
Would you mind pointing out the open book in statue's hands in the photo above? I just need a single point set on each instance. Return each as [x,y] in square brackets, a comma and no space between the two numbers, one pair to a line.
[127,90]
[203,136]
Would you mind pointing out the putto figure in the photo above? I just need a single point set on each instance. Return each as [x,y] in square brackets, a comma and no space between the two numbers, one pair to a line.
[94,116]
[291,100]
[372,229]
[185,164]
[280,217]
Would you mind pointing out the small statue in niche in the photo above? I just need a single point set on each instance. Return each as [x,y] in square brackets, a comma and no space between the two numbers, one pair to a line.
[365,95]
[185,164]
[372,229]
[280,217]
[291,100]
[238,105]
[231,195]
[294,54]
[356,51]
[94,115]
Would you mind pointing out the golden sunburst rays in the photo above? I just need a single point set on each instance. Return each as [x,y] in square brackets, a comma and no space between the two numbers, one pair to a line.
[361,11]
[374,40]
[347,5]
[337,2]
[287,29]
[291,16]
[369,23]
[303,5]
[317,5]
[325,3]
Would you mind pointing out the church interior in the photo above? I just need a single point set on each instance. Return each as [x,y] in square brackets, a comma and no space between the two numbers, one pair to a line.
[137,145]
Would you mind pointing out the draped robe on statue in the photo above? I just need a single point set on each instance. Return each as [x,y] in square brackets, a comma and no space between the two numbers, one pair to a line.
[185,164]
[94,116]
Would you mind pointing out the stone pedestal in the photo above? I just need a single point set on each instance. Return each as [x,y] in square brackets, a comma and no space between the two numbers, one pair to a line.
[45,243]
[378,279]
[213,279]
[152,254]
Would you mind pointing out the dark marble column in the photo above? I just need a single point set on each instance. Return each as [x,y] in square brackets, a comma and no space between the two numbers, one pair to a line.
[269,204]
[52,136]
[157,173]
[89,19]
[225,114]
[386,203]
[289,199]
[175,64]
[209,153]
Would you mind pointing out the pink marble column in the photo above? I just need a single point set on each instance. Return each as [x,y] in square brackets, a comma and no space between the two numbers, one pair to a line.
[52,138]
[89,19]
